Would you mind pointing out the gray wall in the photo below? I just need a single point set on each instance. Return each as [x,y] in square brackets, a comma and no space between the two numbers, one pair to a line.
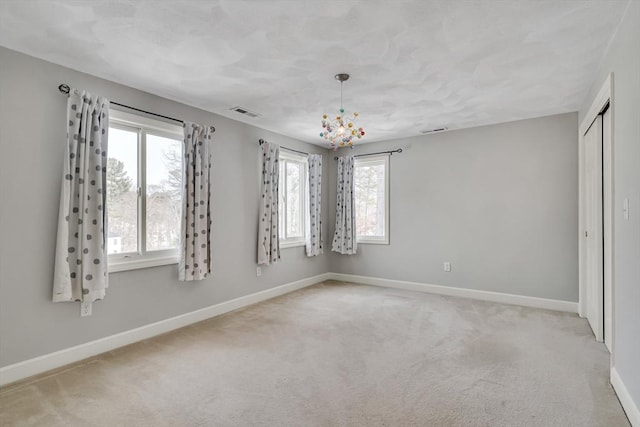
[32,114]
[499,202]
[623,59]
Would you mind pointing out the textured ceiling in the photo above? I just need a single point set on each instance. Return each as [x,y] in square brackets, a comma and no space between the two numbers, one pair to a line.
[414,65]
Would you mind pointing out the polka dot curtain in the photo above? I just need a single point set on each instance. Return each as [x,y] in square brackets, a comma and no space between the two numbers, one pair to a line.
[268,243]
[344,238]
[314,225]
[195,246]
[81,256]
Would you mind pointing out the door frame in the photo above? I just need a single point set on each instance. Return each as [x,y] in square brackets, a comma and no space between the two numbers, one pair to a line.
[604,97]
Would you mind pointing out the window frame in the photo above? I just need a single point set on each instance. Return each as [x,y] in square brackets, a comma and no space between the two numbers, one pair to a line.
[375,160]
[144,126]
[290,157]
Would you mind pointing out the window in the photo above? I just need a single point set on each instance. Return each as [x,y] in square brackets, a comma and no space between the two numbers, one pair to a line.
[292,192]
[371,181]
[144,183]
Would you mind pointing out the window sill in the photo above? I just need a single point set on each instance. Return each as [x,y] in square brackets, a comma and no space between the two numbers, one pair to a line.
[136,264]
[373,242]
[293,244]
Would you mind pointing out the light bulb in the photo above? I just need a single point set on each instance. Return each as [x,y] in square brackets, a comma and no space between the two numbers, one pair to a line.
[341,130]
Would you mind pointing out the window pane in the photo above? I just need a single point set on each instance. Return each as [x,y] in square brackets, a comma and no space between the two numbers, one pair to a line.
[164,184]
[370,202]
[294,200]
[122,195]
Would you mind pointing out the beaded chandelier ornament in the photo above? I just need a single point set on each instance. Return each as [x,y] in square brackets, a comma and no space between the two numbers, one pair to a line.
[342,131]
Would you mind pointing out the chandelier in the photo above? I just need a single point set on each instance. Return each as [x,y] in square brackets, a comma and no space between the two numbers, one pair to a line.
[341,131]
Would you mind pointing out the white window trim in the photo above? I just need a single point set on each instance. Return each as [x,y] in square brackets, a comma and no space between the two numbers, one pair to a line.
[298,241]
[137,260]
[292,243]
[372,240]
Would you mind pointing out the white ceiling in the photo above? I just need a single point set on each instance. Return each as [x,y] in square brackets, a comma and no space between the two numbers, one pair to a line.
[414,65]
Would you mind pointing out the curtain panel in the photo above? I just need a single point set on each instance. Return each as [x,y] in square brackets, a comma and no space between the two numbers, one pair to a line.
[314,241]
[344,239]
[80,271]
[268,233]
[195,243]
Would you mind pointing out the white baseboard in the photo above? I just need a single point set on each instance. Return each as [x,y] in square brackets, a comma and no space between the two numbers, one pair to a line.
[549,304]
[630,407]
[40,364]
[47,362]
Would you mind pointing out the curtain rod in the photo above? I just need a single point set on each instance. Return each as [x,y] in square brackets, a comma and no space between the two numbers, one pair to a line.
[399,150]
[64,88]
[262,141]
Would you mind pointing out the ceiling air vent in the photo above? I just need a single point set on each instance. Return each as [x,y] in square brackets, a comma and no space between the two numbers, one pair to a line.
[244,111]
[434,130]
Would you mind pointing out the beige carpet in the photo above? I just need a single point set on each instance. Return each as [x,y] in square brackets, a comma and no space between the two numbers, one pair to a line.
[340,354]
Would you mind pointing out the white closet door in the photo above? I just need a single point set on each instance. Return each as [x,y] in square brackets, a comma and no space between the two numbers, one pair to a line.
[593,223]
[608,228]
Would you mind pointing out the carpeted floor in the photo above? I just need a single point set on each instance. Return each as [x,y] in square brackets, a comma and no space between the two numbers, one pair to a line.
[339,354]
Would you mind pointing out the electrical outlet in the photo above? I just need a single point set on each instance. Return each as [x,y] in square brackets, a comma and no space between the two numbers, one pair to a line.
[85,309]
[258,271]
[447,266]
